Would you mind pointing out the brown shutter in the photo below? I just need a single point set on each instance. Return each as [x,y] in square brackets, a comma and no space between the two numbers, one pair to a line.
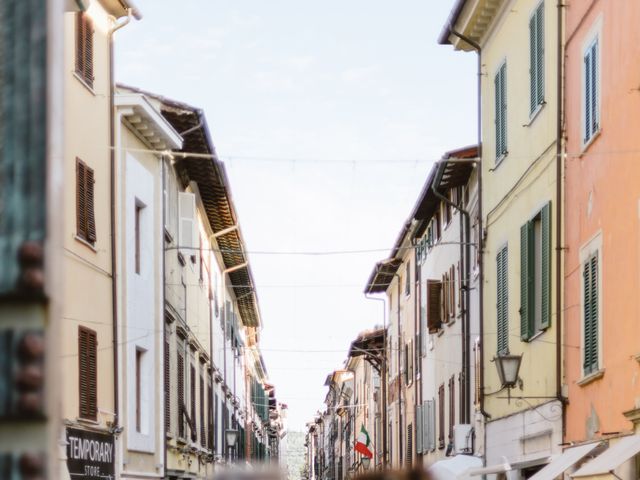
[80,44]
[81,198]
[210,415]
[89,205]
[87,373]
[88,50]
[453,290]
[434,321]
[167,386]
[181,395]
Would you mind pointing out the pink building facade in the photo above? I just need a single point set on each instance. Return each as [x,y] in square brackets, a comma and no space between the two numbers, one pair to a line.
[602,218]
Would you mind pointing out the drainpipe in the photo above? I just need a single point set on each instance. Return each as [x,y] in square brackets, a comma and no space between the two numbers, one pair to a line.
[383,378]
[112,219]
[480,246]
[464,256]
[559,248]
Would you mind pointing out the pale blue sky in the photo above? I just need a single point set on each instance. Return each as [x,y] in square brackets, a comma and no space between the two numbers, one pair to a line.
[339,80]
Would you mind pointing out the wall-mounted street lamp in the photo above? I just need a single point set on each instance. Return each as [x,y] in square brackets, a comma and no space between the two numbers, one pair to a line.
[508,368]
[366,462]
[231,437]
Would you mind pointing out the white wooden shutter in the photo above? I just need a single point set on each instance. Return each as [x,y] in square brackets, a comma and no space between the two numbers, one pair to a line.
[419,429]
[187,212]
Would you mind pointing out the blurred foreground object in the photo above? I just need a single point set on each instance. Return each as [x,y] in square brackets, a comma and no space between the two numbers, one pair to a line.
[30,100]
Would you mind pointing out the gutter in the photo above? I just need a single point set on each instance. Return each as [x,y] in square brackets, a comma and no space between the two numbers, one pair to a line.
[112,219]
[559,247]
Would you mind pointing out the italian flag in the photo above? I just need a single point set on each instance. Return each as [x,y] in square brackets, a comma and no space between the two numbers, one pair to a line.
[363,443]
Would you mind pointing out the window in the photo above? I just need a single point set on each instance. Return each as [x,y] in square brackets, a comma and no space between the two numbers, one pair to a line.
[181,405]
[85,213]
[192,394]
[434,312]
[203,425]
[536,50]
[138,242]
[535,274]
[84,48]
[409,445]
[446,211]
[591,93]
[88,373]
[429,425]
[452,406]
[441,416]
[139,354]
[419,430]
[590,315]
[187,230]
[452,291]
[167,384]
[407,279]
[502,300]
[500,83]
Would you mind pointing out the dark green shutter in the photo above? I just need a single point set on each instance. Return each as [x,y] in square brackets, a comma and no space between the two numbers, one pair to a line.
[532,63]
[590,285]
[545,220]
[502,301]
[527,316]
[536,57]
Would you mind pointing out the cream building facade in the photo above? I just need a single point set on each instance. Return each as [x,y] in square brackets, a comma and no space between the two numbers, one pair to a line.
[518,57]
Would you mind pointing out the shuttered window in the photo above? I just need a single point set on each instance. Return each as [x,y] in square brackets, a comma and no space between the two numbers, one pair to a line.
[407,279]
[502,301]
[210,432]
[84,48]
[591,91]
[203,425]
[181,405]
[88,373]
[590,315]
[429,426]
[500,84]
[536,57]
[452,406]
[187,234]
[434,312]
[535,274]
[192,394]
[167,386]
[85,211]
[409,445]
[441,423]
[419,430]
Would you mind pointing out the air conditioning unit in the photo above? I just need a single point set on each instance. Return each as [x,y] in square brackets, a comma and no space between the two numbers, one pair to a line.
[462,438]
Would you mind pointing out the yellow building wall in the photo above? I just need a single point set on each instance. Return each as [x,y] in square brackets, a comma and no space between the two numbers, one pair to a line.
[87,269]
[514,190]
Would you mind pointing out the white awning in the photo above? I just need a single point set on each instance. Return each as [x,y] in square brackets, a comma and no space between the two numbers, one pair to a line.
[611,458]
[563,462]
[498,468]
[454,468]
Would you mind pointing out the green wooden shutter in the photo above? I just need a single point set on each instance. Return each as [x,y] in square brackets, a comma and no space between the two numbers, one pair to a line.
[498,113]
[536,55]
[502,301]
[526,281]
[545,260]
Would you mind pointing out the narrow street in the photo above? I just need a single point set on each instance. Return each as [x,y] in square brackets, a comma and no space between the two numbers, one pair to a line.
[349,240]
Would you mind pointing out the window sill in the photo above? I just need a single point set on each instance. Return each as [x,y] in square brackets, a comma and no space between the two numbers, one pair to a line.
[84,83]
[592,377]
[85,243]
[535,113]
[587,144]
[440,332]
[451,322]
[499,161]
[87,421]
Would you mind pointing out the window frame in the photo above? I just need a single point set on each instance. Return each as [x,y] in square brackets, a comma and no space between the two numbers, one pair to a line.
[594,36]
[502,107]
[536,79]
[593,248]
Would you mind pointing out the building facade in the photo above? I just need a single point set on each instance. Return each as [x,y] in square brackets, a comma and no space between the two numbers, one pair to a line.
[517,43]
